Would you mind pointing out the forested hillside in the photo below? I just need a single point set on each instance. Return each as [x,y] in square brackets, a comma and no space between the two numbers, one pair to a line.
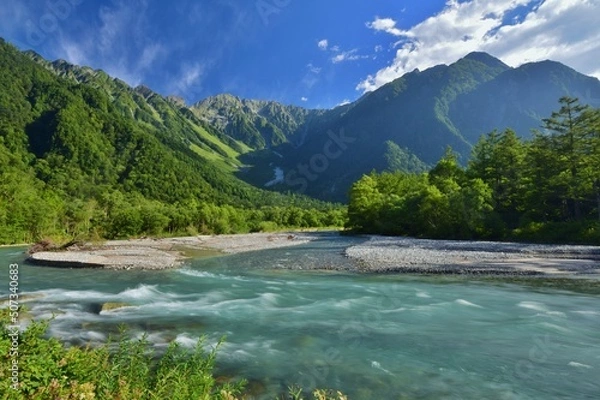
[546,188]
[84,155]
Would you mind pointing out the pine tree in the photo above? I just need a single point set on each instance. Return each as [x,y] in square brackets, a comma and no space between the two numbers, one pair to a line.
[568,129]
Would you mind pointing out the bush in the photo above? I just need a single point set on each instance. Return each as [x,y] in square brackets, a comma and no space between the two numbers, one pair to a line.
[49,370]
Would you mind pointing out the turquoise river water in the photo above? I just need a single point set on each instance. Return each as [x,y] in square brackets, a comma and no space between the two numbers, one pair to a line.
[373,337]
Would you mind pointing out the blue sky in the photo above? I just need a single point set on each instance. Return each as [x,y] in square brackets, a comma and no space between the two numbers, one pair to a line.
[306,52]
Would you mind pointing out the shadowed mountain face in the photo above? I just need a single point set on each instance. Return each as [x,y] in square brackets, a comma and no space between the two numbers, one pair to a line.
[408,123]
[405,125]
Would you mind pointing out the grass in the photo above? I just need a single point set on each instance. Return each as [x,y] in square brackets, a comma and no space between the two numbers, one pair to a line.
[211,155]
[233,154]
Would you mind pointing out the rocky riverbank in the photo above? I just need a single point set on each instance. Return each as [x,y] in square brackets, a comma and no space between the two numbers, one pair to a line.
[406,255]
[153,254]
[374,254]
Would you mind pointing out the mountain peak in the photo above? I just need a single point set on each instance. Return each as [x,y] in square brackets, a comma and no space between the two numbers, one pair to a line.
[486,59]
[176,100]
[143,90]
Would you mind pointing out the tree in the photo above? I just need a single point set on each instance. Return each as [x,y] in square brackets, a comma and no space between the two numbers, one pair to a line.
[568,130]
[447,168]
[365,201]
[498,159]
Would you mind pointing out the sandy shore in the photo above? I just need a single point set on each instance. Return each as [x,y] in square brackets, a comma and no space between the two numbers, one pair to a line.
[162,253]
[406,255]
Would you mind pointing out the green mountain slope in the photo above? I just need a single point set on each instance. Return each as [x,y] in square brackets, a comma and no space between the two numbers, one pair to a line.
[155,112]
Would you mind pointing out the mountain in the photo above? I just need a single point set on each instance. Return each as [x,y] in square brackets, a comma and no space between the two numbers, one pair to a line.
[520,97]
[258,124]
[83,153]
[405,125]
[408,123]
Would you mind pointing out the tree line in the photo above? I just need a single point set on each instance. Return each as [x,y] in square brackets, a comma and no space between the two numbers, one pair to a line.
[546,188]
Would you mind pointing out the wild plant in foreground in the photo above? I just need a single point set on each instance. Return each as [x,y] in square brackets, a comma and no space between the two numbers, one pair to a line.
[127,369]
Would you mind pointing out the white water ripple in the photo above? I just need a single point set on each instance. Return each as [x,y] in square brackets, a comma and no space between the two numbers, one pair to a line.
[466,303]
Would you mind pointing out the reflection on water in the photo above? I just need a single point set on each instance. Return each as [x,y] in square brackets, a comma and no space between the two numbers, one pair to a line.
[374,337]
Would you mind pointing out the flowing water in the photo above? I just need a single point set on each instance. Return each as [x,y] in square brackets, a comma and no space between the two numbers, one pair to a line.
[374,337]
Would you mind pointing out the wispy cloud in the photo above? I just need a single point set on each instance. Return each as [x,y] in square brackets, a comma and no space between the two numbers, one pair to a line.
[304,99]
[338,55]
[13,16]
[562,30]
[74,53]
[151,53]
[311,78]
[313,69]
[351,55]
[118,43]
[189,77]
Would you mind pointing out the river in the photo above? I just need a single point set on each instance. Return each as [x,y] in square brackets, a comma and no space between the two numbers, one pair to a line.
[373,337]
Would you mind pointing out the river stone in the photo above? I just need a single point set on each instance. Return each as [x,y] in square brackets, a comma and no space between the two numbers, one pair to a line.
[106,307]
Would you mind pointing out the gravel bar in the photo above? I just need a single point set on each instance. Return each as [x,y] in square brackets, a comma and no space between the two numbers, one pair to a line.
[407,255]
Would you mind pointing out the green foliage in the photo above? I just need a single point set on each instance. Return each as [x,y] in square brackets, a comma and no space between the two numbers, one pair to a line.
[499,160]
[399,159]
[49,370]
[547,189]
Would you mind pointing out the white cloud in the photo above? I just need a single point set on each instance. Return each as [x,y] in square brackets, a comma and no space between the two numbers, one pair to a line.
[305,99]
[385,25]
[344,102]
[323,44]
[378,49]
[563,30]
